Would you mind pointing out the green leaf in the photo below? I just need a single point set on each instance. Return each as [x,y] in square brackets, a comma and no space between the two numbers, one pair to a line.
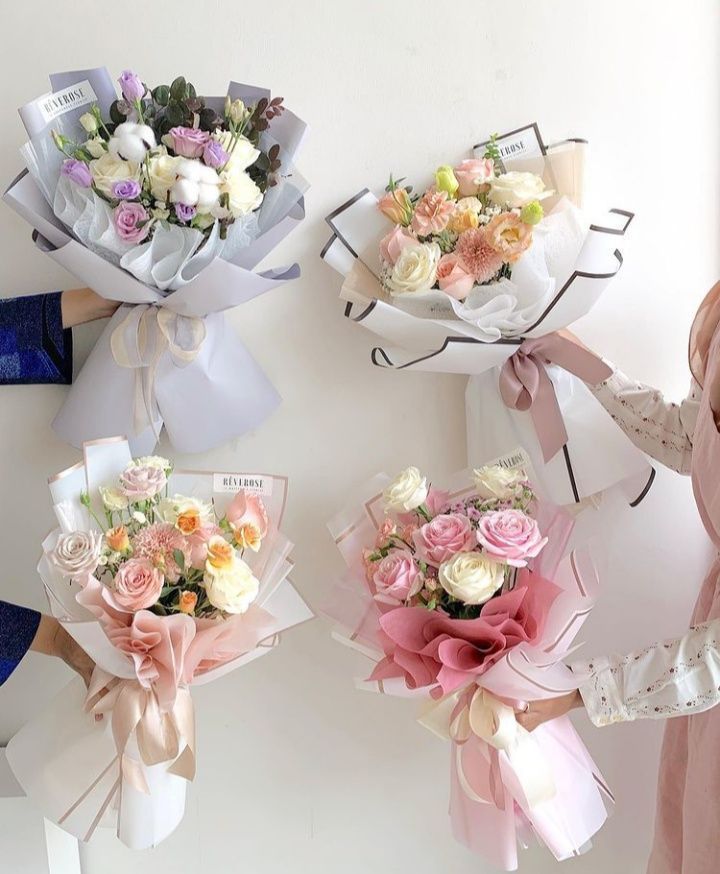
[161,95]
[174,115]
[179,558]
[177,89]
[115,115]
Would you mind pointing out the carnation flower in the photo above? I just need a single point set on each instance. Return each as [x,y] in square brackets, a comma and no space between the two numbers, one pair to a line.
[158,543]
[476,253]
[433,213]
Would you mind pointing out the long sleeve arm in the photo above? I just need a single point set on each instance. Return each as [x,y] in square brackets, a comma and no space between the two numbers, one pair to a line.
[18,627]
[671,678]
[661,429]
[34,346]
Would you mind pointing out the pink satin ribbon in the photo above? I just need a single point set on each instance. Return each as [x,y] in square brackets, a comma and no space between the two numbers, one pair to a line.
[525,384]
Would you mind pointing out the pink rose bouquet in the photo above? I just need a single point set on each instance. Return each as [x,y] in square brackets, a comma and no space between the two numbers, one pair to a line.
[167,579]
[467,598]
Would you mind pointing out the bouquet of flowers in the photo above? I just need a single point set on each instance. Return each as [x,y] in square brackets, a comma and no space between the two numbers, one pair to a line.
[166,579]
[469,600]
[166,201]
[476,275]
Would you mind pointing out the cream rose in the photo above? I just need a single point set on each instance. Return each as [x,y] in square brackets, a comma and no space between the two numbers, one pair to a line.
[109,169]
[231,589]
[152,461]
[77,553]
[495,482]
[163,173]
[243,194]
[407,491]
[415,269]
[96,146]
[113,499]
[471,577]
[242,156]
[515,189]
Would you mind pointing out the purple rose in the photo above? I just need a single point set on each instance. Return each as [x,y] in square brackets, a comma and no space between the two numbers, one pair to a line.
[188,141]
[131,86]
[131,222]
[78,171]
[185,212]
[126,189]
[214,155]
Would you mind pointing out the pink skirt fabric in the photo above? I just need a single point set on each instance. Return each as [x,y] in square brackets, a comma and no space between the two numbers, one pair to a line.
[687,826]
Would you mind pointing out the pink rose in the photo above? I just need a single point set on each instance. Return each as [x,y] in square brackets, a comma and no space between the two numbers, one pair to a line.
[397,575]
[140,483]
[510,536]
[454,278]
[432,213]
[393,243]
[473,175]
[131,222]
[247,508]
[188,141]
[385,531]
[443,537]
[137,585]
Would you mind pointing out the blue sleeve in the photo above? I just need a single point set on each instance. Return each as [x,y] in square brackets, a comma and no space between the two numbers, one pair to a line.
[18,627]
[34,346]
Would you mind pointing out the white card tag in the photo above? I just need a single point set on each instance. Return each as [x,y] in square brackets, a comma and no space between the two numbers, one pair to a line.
[517,458]
[52,105]
[224,483]
[525,142]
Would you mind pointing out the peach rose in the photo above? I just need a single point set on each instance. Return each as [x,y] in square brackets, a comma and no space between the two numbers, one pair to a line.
[187,602]
[508,235]
[188,520]
[393,243]
[473,175]
[117,539]
[247,536]
[396,206]
[247,508]
[137,585]
[454,278]
[220,554]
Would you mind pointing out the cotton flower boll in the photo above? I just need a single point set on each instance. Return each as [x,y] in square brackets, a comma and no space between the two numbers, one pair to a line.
[132,141]
[196,185]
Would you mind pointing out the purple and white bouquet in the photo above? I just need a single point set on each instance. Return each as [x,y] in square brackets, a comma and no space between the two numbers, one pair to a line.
[166,201]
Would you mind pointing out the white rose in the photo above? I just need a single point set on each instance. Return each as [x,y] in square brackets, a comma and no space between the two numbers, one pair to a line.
[407,491]
[113,499]
[232,589]
[242,156]
[163,173]
[152,461]
[109,169]
[96,146]
[415,269]
[170,508]
[497,482]
[132,141]
[471,577]
[469,204]
[196,185]
[243,194]
[77,553]
[89,122]
[515,189]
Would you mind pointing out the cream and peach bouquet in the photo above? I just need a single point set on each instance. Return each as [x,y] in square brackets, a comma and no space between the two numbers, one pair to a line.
[467,229]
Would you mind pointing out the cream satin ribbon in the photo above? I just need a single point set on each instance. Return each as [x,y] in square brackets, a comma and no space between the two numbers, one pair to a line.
[159,736]
[140,341]
[465,714]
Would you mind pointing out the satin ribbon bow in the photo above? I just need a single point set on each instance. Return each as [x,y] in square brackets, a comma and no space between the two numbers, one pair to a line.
[161,737]
[474,714]
[526,385]
[140,341]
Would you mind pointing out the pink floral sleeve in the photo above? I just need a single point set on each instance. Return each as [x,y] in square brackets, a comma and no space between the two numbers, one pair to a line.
[658,427]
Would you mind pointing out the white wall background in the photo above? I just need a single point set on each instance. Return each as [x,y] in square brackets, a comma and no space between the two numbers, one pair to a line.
[298,772]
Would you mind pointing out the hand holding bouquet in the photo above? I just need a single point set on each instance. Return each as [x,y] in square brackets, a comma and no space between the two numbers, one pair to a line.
[165,201]
[166,579]
[467,599]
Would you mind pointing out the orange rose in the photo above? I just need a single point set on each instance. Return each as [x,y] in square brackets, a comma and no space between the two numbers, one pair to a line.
[189,520]
[117,539]
[508,235]
[463,220]
[220,554]
[247,536]
[396,206]
[188,602]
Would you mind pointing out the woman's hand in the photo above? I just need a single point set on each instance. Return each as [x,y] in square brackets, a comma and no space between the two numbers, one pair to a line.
[537,712]
[52,639]
[80,305]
